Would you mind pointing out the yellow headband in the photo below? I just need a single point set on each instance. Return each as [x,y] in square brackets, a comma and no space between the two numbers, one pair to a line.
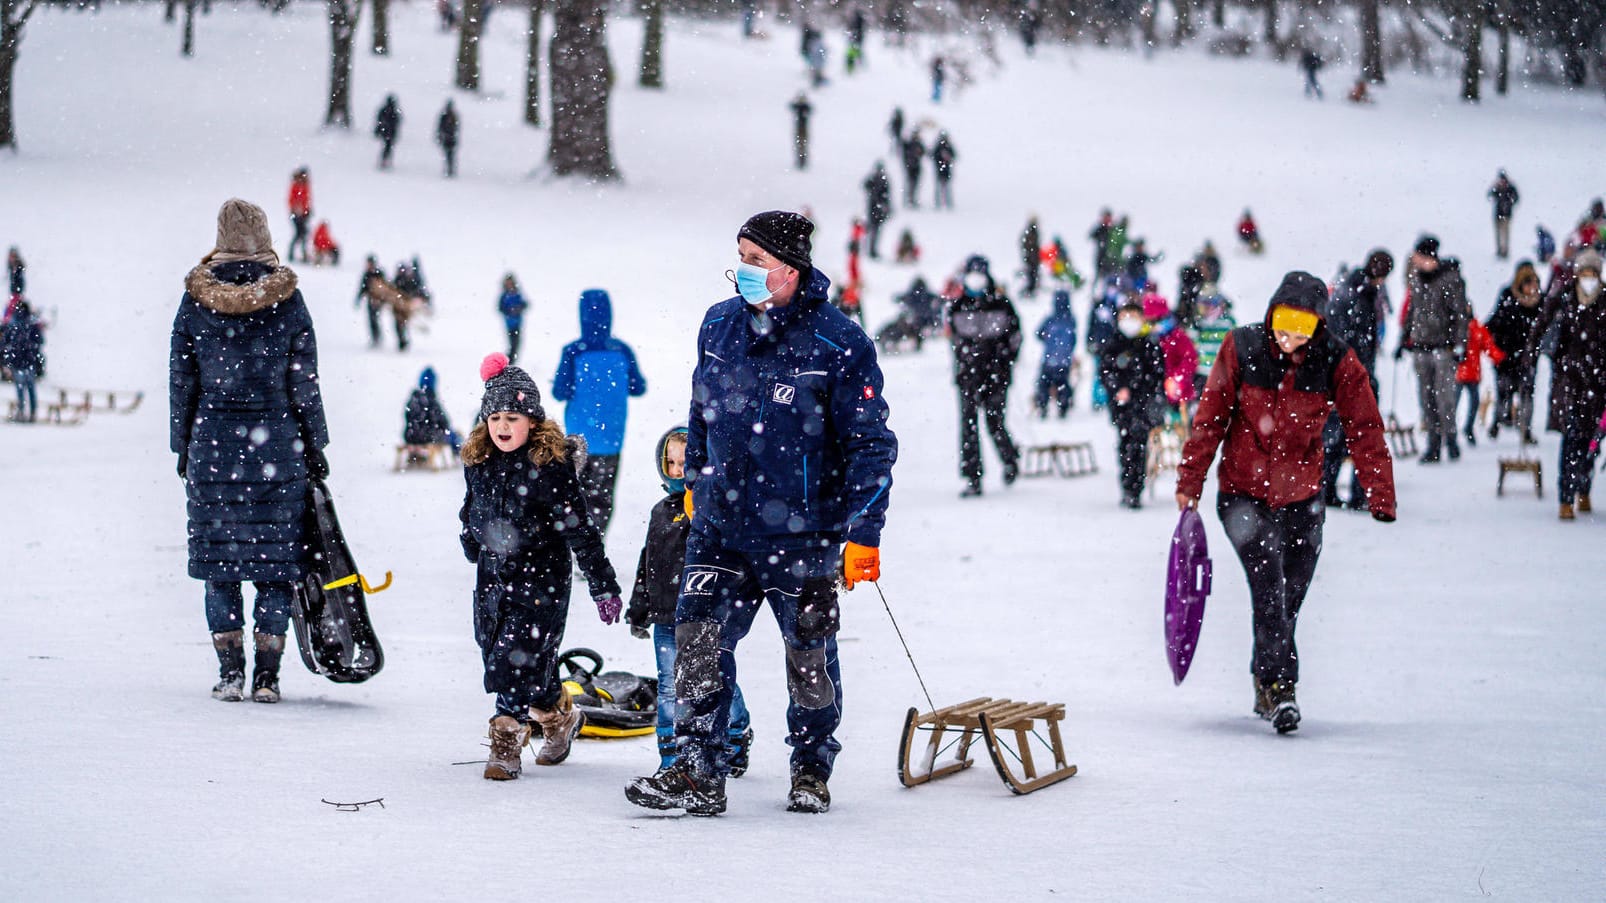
[1294,320]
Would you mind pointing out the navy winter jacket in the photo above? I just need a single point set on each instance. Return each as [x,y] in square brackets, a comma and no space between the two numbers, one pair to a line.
[244,404]
[1058,333]
[22,345]
[787,436]
[596,378]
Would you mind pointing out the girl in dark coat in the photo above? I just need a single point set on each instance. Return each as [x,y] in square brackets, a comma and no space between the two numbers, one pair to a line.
[1510,325]
[1578,382]
[247,425]
[1132,370]
[523,516]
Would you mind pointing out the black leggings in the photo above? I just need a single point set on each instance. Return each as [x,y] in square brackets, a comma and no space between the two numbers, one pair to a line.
[1278,548]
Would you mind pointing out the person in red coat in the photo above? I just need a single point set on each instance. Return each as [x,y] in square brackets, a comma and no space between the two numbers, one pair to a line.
[1267,398]
[300,213]
[325,250]
[1469,373]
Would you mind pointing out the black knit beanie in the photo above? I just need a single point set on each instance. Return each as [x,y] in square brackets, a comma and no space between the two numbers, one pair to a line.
[783,234]
[508,388]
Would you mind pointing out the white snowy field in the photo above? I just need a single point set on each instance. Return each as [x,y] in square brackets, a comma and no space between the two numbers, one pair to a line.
[1452,685]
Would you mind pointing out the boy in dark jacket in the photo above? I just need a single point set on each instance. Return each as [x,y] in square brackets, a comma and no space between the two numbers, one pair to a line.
[652,602]
[1132,369]
[22,350]
[425,422]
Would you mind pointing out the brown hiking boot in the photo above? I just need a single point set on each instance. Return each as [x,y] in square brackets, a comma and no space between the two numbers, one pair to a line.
[1584,507]
[559,727]
[1566,512]
[1263,701]
[508,736]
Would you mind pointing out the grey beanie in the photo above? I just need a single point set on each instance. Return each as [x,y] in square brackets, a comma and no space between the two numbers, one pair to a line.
[507,388]
[242,234]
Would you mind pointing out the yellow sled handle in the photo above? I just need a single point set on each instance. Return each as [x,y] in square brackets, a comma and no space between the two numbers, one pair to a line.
[361,581]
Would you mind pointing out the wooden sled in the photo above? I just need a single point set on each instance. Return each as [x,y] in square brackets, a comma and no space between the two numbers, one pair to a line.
[1520,464]
[1402,439]
[1065,459]
[989,720]
[109,400]
[54,414]
[1165,451]
[433,457]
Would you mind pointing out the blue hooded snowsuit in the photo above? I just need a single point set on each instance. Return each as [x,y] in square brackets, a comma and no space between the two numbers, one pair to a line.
[596,379]
[1058,335]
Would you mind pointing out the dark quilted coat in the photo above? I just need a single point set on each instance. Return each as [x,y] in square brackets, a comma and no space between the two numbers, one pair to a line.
[244,403]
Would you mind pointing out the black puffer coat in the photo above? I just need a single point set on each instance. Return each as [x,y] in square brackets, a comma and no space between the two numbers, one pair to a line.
[986,336]
[520,523]
[1510,326]
[1578,367]
[1139,366]
[657,589]
[244,404]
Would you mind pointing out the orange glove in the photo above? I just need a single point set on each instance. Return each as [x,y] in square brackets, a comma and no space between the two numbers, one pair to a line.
[860,563]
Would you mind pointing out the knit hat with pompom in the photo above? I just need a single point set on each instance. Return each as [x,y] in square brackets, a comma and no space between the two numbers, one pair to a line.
[507,388]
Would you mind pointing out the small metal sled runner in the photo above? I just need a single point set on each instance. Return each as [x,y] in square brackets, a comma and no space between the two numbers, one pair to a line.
[1065,459]
[1402,439]
[991,720]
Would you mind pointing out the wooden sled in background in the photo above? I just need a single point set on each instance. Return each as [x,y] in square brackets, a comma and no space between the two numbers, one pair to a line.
[1402,439]
[996,722]
[1065,459]
[1520,464]
[54,414]
[106,400]
[432,457]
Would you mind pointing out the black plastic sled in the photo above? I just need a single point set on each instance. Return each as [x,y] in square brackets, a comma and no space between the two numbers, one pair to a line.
[328,606]
[615,703]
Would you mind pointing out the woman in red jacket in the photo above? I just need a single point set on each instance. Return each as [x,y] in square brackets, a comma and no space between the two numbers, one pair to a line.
[1267,398]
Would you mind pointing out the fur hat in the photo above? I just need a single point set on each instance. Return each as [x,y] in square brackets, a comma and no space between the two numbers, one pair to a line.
[242,234]
[784,234]
[1379,264]
[507,388]
[1587,259]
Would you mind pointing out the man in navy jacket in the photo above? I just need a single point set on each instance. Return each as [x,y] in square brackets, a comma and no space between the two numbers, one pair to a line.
[788,457]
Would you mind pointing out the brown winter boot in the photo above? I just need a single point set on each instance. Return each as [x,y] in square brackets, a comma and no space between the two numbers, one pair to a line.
[1264,705]
[559,727]
[1566,511]
[508,737]
[230,649]
[1584,507]
[265,676]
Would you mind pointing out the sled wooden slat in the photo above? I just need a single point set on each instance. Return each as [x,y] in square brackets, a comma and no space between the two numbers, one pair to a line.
[1402,439]
[432,457]
[1064,459]
[989,720]
[1520,464]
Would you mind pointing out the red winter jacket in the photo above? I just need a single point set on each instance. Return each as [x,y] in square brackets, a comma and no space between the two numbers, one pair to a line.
[1479,343]
[300,198]
[1267,409]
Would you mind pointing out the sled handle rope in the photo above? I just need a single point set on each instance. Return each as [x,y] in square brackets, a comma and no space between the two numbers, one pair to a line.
[902,642]
[361,581]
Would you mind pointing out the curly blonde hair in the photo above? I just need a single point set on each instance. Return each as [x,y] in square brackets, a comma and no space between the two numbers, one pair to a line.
[547,444]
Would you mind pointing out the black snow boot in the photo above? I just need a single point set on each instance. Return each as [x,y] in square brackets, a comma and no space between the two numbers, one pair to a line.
[265,676]
[971,490]
[1285,711]
[809,793]
[676,787]
[230,649]
[1451,448]
[1431,455]
[739,753]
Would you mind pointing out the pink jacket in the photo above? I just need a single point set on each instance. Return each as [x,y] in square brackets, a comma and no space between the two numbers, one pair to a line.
[1181,361]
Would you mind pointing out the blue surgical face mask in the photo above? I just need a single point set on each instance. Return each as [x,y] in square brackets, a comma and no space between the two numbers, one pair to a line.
[753,282]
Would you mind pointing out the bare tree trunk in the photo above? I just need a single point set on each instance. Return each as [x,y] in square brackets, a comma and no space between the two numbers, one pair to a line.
[1272,40]
[1184,23]
[652,45]
[381,28]
[189,28]
[170,14]
[468,45]
[342,30]
[13,15]
[1502,75]
[1471,22]
[582,79]
[1371,42]
[1218,13]
[532,66]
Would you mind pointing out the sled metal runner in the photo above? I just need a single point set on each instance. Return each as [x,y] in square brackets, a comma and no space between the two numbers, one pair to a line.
[995,722]
[1065,459]
[1520,464]
[1402,439]
[105,400]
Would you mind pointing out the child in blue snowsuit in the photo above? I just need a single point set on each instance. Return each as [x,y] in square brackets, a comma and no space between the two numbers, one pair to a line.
[653,598]
[511,305]
[1058,335]
[524,524]
[596,379]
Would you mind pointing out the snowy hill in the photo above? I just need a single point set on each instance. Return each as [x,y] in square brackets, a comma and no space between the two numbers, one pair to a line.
[1452,677]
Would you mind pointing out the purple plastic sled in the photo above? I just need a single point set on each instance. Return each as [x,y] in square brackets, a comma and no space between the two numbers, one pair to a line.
[1187,585]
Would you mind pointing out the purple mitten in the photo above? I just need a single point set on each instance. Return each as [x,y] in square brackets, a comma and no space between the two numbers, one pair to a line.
[608,608]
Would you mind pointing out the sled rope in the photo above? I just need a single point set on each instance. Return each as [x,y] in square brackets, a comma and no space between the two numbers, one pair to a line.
[903,643]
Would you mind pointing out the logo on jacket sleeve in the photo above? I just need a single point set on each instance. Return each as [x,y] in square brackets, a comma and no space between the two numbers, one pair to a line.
[869,393]
[700,583]
[784,394]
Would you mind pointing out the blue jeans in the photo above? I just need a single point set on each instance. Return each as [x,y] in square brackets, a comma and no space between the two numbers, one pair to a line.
[27,397]
[225,606]
[721,590]
[663,644]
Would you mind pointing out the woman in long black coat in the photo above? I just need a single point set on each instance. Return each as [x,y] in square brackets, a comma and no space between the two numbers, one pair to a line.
[1578,382]
[248,426]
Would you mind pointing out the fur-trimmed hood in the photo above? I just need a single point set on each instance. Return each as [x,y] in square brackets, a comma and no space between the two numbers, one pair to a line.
[233,299]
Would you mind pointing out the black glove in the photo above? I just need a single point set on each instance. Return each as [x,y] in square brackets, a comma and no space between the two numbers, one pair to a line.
[1382,517]
[1460,352]
[1399,352]
[183,465]
[471,548]
[317,464]
[640,631]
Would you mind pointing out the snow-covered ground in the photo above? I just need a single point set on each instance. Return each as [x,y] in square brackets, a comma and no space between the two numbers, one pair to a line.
[1452,747]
